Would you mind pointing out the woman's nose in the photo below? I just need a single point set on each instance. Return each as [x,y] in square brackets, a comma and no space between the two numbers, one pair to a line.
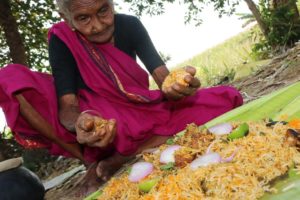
[97,25]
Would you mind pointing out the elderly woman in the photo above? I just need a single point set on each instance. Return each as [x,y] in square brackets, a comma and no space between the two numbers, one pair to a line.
[92,54]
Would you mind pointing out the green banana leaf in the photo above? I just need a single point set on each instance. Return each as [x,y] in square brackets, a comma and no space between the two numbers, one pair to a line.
[275,105]
[292,110]
[285,101]
[94,196]
[288,189]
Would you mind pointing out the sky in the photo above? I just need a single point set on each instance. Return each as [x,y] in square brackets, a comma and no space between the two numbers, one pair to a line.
[172,37]
[2,121]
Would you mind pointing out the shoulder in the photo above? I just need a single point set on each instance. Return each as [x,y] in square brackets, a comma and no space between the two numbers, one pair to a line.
[126,19]
[58,51]
[55,42]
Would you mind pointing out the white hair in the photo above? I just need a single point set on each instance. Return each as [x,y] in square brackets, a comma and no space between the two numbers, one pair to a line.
[64,5]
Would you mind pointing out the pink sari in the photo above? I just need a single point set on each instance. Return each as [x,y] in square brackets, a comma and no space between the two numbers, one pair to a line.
[119,91]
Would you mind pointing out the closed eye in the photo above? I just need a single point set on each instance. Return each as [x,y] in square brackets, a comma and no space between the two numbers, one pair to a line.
[103,11]
[83,18]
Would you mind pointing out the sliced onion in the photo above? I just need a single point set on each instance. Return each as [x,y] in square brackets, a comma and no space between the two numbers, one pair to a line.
[167,155]
[221,129]
[205,160]
[209,148]
[139,171]
[230,158]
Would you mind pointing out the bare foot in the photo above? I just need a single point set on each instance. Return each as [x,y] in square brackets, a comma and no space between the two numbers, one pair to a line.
[88,183]
[106,168]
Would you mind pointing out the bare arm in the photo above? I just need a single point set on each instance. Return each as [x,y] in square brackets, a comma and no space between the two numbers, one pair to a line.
[68,111]
[159,75]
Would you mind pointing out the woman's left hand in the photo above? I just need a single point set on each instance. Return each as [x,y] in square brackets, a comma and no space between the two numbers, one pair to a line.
[178,91]
[89,134]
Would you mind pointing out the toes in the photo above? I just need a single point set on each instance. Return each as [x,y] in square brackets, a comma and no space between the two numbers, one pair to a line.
[103,171]
[105,178]
[100,170]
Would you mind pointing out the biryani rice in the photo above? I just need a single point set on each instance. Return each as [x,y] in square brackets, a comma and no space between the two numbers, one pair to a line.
[261,156]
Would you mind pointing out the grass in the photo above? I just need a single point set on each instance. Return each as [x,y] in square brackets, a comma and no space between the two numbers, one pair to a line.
[224,59]
[249,68]
[231,59]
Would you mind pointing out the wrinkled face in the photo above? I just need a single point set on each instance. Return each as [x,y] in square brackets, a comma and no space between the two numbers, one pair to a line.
[93,18]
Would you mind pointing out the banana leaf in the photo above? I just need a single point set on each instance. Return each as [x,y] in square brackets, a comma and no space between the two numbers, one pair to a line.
[94,196]
[285,102]
[291,110]
[288,189]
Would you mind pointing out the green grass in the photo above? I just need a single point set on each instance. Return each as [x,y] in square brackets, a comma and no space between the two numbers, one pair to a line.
[232,59]
[7,134]
[224,59]
[248,68]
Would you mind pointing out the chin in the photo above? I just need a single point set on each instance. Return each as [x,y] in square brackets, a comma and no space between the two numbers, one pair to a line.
[100,40]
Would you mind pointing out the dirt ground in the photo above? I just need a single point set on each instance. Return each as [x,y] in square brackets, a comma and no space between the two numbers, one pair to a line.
[283,70]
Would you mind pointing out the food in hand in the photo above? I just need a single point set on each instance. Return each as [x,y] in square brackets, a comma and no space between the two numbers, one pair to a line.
[93,124]
[99,123]
[176,76]
[88,124]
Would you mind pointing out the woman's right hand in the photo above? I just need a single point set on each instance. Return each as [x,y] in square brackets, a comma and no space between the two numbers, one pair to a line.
[95,131]
[177,90]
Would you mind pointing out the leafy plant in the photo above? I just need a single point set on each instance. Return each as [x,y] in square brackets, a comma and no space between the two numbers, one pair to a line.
[283,25]
[6,134]
[247,17]
[165,57]
[33,19]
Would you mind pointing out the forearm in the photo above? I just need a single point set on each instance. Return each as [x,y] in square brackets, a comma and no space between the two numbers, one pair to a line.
[68,111]
[159,75]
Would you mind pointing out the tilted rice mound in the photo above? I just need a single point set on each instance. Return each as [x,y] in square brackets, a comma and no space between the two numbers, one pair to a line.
[261,156]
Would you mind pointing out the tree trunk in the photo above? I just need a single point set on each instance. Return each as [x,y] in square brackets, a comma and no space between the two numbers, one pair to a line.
[253,8]
[11,33]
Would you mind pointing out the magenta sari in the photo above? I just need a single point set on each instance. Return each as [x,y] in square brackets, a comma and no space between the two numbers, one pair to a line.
[119,90]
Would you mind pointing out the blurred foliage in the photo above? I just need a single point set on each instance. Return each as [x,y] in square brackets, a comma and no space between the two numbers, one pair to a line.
[6,134]
[193,8]
[33,19]
[165,57]
[248,18]
[284,29]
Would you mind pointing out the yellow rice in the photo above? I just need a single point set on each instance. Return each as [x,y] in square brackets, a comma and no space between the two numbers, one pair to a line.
[261,156]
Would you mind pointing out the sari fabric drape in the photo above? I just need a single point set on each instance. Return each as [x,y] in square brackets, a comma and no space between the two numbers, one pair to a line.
[119,89]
